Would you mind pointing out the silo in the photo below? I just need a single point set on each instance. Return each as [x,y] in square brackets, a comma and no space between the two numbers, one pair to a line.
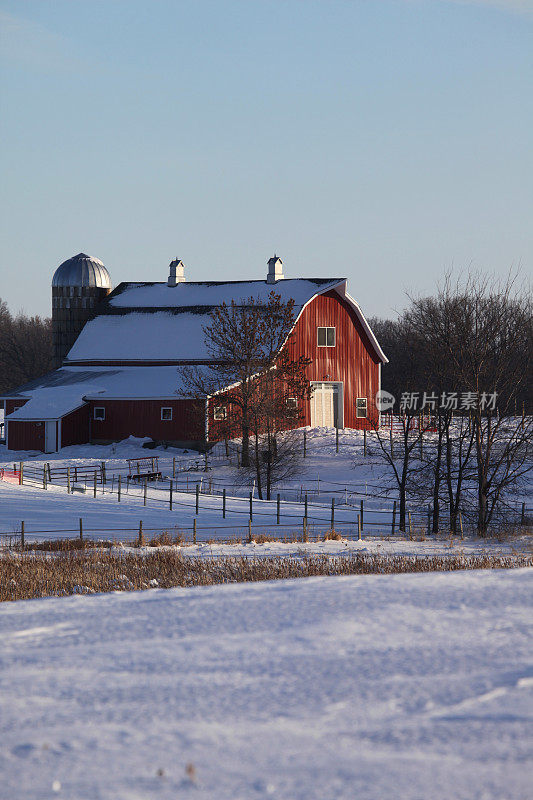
[78,286]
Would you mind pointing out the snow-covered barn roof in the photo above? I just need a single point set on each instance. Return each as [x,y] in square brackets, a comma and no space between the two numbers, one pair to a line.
[60,392]
[157,322]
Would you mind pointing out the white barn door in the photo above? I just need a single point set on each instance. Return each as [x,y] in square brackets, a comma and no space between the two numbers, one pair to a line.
[326,405]
[50,437]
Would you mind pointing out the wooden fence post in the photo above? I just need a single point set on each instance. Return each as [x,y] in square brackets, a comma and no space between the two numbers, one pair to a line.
[362,512]
[461,524]
[250,530]
[21,474]
[197,498]
[81,530]
[278,509]
[393,516]
[145,487]
[359,527]
[141,538]
[22,535]
[332,513]
[194,531]
[224,503]
[305,537]
[170,491]
[119,487]
[68,480]
[44,477]
[251,506]
[305,508]
[95,483]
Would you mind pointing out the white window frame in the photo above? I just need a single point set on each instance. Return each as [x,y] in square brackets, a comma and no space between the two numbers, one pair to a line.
[166,408]
[220,413]
[99,418]
[326,328]
[358,408]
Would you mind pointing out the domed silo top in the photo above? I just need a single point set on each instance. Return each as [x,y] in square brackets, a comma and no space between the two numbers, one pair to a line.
[82,270]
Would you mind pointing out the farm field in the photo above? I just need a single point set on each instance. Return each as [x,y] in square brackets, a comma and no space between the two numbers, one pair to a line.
[408,686]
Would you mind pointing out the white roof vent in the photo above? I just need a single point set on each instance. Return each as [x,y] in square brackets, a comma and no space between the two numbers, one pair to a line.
[176,272]
[275,269]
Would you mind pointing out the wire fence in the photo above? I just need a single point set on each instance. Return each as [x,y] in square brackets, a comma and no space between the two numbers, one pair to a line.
[282,521]
[157,481]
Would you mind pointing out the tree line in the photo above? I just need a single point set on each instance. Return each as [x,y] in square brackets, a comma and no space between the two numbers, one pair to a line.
[468,350]
[25,348]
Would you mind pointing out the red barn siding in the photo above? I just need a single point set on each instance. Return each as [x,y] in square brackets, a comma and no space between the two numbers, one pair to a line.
[352,361]
[25,435]
[75,427]
[125,418]
[11,405]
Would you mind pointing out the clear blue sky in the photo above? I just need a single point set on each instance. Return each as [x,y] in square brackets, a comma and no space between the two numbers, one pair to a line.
[386,141]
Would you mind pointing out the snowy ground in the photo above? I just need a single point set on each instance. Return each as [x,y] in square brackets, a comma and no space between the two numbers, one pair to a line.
[369,687]
[346,476]
[56,514]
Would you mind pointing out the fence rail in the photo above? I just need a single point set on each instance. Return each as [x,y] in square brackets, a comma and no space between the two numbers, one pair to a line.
[195,534]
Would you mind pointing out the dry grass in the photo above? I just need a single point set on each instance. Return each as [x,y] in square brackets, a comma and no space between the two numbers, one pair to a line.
[67,572]
[332,536]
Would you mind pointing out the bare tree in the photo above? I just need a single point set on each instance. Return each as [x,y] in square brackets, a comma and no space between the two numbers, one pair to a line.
[277,406]
[250,348]
[25,348]
[400,454]
[480,332]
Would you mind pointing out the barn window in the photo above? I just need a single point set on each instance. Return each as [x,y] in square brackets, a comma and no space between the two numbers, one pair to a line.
[291,403]
[220,412]
[325,337]
[166,413]
[99,413]
[361,407]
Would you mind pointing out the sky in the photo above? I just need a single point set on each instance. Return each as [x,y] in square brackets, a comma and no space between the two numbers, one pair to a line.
[387,141]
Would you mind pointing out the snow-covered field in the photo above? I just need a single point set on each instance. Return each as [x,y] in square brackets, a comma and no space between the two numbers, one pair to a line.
[56,515]
[346,476]
[369,687]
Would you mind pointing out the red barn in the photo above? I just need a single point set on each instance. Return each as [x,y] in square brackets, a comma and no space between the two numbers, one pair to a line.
[121,376]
